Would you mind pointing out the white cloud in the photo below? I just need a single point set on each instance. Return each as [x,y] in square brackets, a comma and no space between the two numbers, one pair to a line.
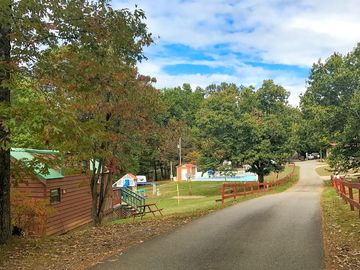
[274,31]
[296,29]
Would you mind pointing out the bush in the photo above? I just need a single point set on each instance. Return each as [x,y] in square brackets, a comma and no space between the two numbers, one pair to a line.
[28,213]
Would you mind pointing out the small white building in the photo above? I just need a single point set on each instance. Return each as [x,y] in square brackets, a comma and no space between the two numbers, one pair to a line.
[128,180]
[141,179]
[186,171]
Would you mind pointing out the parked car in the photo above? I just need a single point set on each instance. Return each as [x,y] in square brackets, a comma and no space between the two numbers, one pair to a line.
[310,156]
[316,155]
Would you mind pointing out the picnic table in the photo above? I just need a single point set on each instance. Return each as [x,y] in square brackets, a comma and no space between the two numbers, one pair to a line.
[146,209]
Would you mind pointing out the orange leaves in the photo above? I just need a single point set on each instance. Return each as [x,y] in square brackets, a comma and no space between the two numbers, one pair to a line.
[84,64]
[113,165]
[28,213]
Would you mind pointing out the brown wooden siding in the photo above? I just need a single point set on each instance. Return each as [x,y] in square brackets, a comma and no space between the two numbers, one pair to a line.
[74,208]
[34,187]
[116,199]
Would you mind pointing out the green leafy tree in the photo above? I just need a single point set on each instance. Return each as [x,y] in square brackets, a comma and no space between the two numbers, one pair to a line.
[93,40]
[329,102]
[217,123]
[177,121]
[24,30]
[182,103]
[346,154]
[247,127]
[331,85]
[265,130]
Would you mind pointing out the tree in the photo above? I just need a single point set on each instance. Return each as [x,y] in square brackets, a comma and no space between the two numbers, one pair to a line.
[346,154]
[107,124]
[95,81]
[182,103]
[331,85]
[5,28]
[40,29]
[31,115]
[176,121]
[265,130]
[217,123]
[25,28]
[246,127]
[329,103]
[264,142]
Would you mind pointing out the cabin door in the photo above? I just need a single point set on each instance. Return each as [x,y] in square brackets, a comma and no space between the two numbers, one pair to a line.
[127,183]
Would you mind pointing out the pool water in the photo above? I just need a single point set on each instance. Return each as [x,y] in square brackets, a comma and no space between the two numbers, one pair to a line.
[242,178]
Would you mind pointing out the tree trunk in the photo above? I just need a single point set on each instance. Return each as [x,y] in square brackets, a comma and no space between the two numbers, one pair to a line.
[100,192]
[94,191]
[106,184]
[258,168]
[5,218]
[155,171]
[261,177]
[168,172]
[162,172]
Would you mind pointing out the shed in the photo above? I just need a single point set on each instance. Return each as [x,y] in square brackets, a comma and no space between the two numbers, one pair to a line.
[128,180]
[141,179]
[69,196]
[186,171]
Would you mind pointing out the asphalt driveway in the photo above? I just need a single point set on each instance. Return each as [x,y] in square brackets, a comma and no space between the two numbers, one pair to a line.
[281,231]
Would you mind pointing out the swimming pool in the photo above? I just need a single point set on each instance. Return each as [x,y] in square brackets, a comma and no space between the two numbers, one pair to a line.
[240,178]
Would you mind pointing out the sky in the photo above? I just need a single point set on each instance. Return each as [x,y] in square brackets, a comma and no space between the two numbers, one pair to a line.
[244,42]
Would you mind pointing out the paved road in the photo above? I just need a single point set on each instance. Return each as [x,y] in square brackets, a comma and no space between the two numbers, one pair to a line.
[281,231]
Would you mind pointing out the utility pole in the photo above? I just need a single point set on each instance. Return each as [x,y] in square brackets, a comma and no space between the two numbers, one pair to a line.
[179,146]
[171,172]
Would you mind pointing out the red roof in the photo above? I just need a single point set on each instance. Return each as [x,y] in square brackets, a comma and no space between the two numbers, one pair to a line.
[190,165]
[187,165]
[131,175]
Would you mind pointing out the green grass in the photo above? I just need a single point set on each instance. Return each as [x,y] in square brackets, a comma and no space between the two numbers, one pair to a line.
[168,199]
[341,230]
[211,191]
[324,170]
[275,176]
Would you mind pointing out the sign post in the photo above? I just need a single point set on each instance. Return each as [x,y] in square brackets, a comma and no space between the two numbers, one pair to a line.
[178,194]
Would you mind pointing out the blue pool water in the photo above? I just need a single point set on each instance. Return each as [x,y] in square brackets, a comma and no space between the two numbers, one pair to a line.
[241,178]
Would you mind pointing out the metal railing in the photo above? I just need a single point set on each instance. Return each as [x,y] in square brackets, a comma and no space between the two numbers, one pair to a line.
[131,198]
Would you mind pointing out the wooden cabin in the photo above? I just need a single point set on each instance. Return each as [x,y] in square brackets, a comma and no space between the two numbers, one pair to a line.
[68,196]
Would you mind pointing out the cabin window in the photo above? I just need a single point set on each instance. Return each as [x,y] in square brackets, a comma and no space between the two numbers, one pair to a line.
[55,195]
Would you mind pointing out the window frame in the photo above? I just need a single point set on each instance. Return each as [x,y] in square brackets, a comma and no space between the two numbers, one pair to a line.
[55,199]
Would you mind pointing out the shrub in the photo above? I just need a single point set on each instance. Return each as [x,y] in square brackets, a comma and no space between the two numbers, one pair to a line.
[28,213]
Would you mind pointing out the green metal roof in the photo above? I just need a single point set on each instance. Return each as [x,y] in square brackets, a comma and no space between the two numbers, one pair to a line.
[25,154]
[97,164]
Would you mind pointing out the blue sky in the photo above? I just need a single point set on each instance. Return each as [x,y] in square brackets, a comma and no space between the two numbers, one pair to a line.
[244,42]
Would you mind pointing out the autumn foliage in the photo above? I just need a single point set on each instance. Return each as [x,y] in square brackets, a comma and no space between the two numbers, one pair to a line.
[28,213]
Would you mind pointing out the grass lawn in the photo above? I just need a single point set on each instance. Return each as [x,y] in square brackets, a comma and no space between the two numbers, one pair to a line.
[197,198]
[275,176]
[341,229]
[324,170]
